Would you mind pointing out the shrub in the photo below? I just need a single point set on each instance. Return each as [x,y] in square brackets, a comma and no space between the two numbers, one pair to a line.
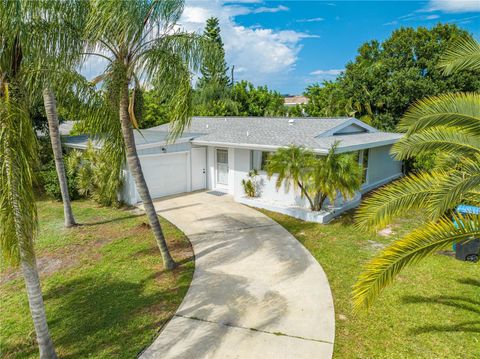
[96,176]
[251,185]
[51,187]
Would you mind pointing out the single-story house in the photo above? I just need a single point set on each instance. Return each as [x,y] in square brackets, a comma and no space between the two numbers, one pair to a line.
[216,153]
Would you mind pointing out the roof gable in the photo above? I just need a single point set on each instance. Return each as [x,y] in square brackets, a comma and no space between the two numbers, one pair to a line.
[351,126]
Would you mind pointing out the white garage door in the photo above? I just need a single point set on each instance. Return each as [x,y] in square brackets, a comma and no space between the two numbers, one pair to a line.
[165,174]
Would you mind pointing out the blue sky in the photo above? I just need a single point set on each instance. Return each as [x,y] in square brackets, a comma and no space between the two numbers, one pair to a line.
[290,44]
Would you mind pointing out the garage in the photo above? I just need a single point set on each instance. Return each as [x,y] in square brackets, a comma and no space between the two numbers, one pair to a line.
[166,174]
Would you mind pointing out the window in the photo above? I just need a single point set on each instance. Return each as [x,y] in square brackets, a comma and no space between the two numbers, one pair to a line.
[258,160]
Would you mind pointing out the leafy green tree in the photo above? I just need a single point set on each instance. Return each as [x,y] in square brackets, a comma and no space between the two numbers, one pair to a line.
[317,177]
[155,110]
[257,101]
[137,40]
[386,78]
[448,124]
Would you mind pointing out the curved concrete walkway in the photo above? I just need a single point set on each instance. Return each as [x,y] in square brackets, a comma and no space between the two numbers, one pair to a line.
[256,291]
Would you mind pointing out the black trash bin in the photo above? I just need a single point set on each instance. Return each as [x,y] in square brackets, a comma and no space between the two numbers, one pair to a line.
[468,251]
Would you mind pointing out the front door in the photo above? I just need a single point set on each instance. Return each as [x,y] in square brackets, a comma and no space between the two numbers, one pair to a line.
[222,167]
[199,177]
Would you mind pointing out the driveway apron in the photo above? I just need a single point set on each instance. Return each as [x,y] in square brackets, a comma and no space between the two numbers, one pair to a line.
[256,291]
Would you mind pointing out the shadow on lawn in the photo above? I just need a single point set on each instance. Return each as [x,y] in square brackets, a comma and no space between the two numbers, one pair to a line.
[102,316]
[458,302]
[112,220]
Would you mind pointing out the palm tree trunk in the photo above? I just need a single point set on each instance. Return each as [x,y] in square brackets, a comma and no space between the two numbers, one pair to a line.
[305,193]
[52,116]
[32,282]
[37,307]
[319,201]
[137,172]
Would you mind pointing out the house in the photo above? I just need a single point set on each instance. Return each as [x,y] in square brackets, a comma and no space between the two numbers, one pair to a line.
[216,153]
[291,101]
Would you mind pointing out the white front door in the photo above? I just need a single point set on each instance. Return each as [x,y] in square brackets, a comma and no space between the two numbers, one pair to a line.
[222,167]
[199,167]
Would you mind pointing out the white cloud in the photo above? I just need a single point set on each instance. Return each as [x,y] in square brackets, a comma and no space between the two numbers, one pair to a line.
[313,19]
[332,72]
[269,9]
[453,6]
[260,55]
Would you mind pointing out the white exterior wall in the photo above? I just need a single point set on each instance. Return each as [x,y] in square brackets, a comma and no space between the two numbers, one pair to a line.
[242,165]
[382,168]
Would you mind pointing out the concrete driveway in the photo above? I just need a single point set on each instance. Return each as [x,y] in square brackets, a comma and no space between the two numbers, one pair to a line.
[256,291]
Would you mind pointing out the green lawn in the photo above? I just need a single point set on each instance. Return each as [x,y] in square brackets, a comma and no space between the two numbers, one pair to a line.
[105,291]
[431,311]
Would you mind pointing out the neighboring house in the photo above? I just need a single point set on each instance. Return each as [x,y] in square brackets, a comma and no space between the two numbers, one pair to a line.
[295,100]
[217,153]
[64,128]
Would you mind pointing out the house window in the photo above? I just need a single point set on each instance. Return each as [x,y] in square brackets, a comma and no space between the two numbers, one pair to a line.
[258,160]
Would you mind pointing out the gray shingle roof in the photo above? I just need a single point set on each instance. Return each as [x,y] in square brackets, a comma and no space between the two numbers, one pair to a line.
[269,132]
[264,133]
[142,139]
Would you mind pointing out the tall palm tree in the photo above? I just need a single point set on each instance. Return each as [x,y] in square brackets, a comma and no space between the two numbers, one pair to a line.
[141,40]
[50,105]
[449,126]
[62,30]
[18,151]
[317,177]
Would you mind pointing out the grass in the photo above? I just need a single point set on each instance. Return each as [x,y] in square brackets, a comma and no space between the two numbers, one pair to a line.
[105,291]
[431,311]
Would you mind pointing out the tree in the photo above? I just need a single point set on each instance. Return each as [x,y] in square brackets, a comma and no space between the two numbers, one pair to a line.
[18,150]
[386,78]
[139,41]
[54,133]
[214,68]
[257,101]
[448,124]
[317,177]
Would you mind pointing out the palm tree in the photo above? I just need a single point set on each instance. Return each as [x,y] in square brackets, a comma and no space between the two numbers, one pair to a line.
[18,151]
[449,126]
[141,40]
[292,165]
[317,177]
[335,173]
[63,28]
[53,129]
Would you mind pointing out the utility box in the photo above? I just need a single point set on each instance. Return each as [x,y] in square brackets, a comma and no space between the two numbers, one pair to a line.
[467,250]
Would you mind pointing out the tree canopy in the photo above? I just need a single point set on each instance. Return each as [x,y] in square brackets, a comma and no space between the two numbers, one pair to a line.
[387,77]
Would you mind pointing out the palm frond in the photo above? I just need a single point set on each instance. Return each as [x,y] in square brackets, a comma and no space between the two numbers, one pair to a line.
[447,140]
[395,199]
[455,186]
[382,270]
[18,211]
[464,54]
[451,109]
